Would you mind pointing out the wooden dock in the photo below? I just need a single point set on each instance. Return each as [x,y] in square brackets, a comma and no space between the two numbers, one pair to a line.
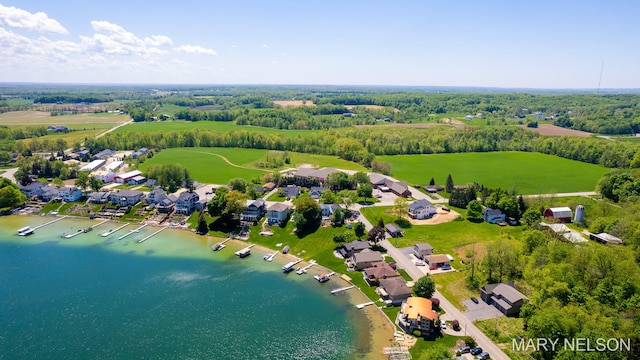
[131,232]
[360,306]
[304,269]
[337,291]
[149,237]
[49,223]
[109,232]
[220,245]
[85,230]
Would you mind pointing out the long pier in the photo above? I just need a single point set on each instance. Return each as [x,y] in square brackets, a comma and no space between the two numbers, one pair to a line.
[131,232]
[84,231]
[109,232]
[50,222]
[304,269]
[336,291]
[220,245]
[148,237]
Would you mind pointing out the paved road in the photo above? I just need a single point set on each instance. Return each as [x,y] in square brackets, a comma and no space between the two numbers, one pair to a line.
[451,312]
[583,193]
[10,174]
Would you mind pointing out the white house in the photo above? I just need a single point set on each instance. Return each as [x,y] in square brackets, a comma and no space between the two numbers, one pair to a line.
[278,213]
[422,209]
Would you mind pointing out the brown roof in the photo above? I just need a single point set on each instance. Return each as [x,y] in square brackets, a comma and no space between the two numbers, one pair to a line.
[395,286]
[418,306]
[438,258]
[380,270]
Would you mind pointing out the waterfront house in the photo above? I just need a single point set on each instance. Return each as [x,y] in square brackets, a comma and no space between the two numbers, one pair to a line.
[156,195]
[493,216]
[378,271]
[417,313]
[48,193]
[70,193]
[393,290]
[423,249]
[278,213]
[365,258]
[32,189]
[421,209]
[504,297]
[186,203]
[349,249]
[393,230]
[254,211]
[126,197]
[167,204]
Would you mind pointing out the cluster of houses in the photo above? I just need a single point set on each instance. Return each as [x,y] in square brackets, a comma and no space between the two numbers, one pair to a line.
[47,192]
[416,313]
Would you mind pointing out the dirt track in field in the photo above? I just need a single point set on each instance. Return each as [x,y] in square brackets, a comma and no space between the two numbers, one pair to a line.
[552,130]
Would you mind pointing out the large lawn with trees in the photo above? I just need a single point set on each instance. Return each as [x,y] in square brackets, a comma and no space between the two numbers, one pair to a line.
[168,126]
[529,173]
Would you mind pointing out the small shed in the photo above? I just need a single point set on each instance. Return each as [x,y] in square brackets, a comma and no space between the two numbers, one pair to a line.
[393,230]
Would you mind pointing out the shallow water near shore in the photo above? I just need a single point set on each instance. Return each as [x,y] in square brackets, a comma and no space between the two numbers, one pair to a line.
[168,297]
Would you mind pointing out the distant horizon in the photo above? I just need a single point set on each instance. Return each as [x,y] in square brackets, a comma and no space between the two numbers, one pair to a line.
[548,45]
[435,88]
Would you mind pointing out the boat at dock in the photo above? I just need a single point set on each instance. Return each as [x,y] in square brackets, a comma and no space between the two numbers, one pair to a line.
[288,267]
[218,246]
[322,278]
[244,252]
[25,231]
[269,257]
[304,269]
[86,230]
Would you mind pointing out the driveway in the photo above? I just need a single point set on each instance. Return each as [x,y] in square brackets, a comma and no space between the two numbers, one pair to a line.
[9,174]
[480,311]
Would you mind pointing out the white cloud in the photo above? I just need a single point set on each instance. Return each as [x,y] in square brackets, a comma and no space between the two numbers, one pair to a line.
[115,40]
[18,18]
[196,49]
[158,40]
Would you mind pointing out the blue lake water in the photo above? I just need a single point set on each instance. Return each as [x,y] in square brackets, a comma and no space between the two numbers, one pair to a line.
[92,297]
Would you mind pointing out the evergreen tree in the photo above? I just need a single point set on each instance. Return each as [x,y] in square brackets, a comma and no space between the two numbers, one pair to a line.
[449,185]
[432,182]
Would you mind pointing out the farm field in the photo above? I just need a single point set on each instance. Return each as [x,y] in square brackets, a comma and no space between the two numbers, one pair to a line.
[529,173]
[70,137]
[207,164]
[166,126]
[31,118]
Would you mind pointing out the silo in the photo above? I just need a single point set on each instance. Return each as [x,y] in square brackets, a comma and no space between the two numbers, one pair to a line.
[579,214]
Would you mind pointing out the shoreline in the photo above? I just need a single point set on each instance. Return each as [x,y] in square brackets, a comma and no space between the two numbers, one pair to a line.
[380,328]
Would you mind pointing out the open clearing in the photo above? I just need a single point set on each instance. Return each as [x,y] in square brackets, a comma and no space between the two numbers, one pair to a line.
[31,118]
[552,130]
[371,107]
[529,173]
[287,103]
[218,165]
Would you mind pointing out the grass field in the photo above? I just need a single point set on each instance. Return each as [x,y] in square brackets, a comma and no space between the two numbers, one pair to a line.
[31,118]
[207,164]
[161,126]
[70,137]
[530,173]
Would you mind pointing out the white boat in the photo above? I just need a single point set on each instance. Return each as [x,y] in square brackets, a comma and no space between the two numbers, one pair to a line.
[25,231]
[322,278]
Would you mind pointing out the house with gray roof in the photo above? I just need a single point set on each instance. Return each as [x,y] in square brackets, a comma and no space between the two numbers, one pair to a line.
[278,213]
[126,197]
[421,250]
[421,209]
[186,203]
[494,216]
[365,258]
[316,191]
[504,297]
[349,249]
[255,210]
[394,290]
[393,230]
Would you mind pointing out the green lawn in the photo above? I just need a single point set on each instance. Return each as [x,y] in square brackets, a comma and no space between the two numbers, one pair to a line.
[208,166]
[224,126]
[529,173]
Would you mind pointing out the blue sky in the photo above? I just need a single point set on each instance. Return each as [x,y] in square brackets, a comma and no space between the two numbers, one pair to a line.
[524,44]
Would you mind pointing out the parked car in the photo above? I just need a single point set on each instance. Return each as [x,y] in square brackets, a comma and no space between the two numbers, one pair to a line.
[476,351]
[445,267]
[443,324]
[483,356]
[420,263]
[464,349]
[433,267]
[475,300]
[393,265]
